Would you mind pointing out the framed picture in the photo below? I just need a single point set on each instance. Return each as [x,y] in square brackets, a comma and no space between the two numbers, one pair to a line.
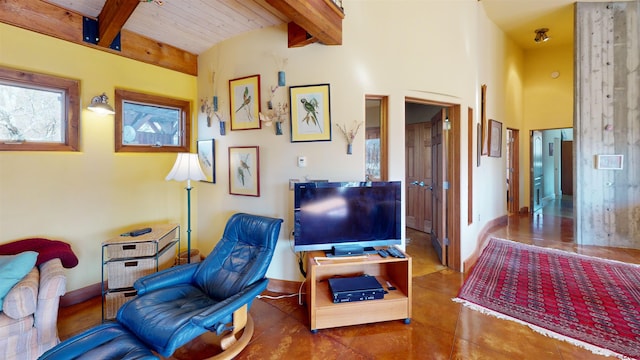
[609,162]
[495,138]
[244,170]
[207,158]
[310,113]
[244,95]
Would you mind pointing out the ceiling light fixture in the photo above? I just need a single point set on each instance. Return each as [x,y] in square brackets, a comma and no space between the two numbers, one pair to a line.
[100,105]
[541,35]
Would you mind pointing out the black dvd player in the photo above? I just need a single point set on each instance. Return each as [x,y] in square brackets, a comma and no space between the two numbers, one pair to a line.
[357,288]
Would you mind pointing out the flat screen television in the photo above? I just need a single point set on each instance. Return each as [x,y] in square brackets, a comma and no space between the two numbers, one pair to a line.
[346,214]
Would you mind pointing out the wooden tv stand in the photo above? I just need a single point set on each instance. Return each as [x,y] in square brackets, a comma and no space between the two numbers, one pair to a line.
[323,313]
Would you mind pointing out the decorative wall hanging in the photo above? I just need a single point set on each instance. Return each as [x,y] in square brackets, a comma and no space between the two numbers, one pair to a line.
[310,113]
[495,138]
[244,170]
[275,116]
[350,135]
[207,158]
[245,102]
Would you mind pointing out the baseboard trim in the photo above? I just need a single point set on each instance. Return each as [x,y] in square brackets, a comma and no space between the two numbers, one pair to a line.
[89,292]
[283,286]
[81,295]
[483,239]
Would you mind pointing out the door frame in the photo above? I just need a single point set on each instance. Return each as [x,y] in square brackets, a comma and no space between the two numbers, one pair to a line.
[513,163]
[453,175]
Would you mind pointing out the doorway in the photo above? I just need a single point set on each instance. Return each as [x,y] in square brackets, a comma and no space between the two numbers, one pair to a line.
[552,172]
[432,168]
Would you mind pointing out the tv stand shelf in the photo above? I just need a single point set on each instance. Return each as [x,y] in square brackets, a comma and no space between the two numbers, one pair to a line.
[323,313]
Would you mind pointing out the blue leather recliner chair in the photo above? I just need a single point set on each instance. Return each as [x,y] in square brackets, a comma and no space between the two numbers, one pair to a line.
[176,305]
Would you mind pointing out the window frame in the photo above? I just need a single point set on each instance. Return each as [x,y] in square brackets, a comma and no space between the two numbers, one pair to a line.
[71,123]
[122,95]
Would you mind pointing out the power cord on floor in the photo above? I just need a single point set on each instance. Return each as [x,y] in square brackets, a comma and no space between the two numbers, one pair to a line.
[284,296]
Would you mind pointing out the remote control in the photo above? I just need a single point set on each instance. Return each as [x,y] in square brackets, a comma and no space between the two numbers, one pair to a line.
[140,232]
[395,252]
[383,253]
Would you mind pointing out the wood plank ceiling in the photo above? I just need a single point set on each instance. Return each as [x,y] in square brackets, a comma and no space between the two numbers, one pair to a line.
[172,35]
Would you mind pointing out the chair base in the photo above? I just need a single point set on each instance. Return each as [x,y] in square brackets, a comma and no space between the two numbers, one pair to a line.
[207,346]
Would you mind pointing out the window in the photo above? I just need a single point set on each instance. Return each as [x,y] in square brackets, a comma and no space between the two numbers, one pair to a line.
[151,123]
[38,112]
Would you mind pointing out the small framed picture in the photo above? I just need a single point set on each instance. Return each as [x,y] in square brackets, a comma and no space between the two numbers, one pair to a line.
[244,95]
[207,158]
[495,138]
[310,113]
[244,170]
[609,162]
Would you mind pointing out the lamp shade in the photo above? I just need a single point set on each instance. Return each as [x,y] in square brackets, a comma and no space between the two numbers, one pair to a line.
[187,167]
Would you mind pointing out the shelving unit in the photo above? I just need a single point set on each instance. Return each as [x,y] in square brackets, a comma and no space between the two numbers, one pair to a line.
[125,259]
[323,313]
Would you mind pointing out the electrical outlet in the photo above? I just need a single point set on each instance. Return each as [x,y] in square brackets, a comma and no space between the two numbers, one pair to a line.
[292,183]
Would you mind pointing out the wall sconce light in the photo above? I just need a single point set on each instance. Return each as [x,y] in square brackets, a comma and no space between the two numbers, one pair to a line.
[541,35]
[100,105]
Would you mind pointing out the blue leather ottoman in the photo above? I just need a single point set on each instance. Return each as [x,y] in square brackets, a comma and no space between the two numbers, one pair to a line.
[106,341]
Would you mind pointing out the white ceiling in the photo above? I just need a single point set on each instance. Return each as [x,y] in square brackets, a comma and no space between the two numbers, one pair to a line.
[197,25]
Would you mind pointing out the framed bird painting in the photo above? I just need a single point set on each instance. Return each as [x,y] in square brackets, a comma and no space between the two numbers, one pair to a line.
[244,95]
[310,113]
[244,170]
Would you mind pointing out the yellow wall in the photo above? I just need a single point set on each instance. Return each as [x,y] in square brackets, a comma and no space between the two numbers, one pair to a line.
[548,102]
[386,50]
[89,196]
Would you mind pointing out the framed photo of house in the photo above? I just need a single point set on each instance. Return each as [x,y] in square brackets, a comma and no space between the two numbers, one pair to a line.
[244,170]
[310,113]
[207,158]
[244,95]
[495,138]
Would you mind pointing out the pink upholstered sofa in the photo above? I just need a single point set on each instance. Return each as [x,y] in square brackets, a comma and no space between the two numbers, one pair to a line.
[28,320]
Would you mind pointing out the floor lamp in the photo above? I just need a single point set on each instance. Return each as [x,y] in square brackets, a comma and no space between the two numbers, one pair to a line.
[187,167]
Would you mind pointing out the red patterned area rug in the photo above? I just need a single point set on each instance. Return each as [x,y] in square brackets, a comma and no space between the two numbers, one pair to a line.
[590,302]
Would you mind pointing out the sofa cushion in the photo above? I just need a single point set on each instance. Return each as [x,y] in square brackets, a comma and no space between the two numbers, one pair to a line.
[46,249]
[22,299]
[13,268]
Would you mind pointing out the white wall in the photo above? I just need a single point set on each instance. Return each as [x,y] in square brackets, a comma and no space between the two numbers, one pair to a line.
[434,50]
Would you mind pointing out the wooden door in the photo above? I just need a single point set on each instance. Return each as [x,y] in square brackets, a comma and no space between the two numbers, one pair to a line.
[439,197]
[537,176]
[566,166]
[418,179]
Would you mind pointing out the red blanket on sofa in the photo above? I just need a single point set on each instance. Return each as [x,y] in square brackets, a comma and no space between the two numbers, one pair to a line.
[46,249]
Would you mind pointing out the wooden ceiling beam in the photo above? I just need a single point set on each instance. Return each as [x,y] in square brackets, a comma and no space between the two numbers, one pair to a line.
[113,16]
[48,19]
[322,19]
